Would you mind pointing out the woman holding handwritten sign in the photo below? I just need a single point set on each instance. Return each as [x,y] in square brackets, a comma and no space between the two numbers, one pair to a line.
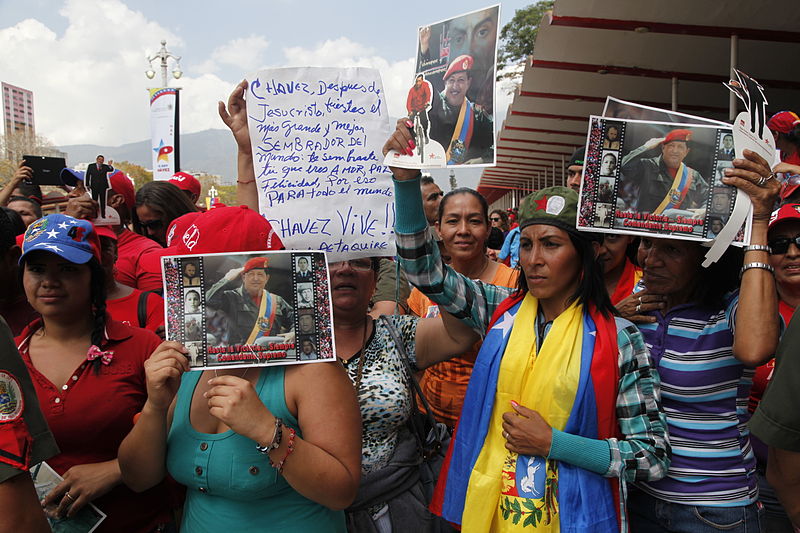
[390,496]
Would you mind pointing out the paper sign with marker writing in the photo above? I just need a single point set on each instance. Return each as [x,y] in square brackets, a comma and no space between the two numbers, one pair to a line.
[317,135]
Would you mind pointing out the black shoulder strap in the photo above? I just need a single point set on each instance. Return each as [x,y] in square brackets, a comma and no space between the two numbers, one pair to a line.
[141,311]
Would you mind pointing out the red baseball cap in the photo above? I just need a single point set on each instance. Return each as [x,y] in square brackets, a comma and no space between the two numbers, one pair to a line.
[179,225]
[677,135]
[105,231]
[123,184]
[459,64]
[786,212]
[789,189]
[151,261]
[227,229]
[186,182]
[783,121]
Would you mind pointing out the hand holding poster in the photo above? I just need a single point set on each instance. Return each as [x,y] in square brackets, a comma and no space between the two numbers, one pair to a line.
[656,178]
[316,136]
[249,309]
[450,102]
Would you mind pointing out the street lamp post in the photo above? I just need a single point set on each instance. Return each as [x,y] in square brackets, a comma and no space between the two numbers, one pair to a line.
[164,115]
[163,55]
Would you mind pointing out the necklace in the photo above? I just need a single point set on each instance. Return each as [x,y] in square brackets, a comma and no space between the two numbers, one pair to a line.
[359,354]
[246,370]
[486,262]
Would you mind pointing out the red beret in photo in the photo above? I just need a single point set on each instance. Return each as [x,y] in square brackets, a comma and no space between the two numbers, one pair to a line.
[460,64]
[678,135]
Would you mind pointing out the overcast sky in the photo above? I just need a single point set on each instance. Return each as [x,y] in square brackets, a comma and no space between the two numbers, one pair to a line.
[85,59]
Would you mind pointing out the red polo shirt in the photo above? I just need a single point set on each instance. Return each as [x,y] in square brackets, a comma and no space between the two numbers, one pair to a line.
[130,248]
[93,412]
[126,310]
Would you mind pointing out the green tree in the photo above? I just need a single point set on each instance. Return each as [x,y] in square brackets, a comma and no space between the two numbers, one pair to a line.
[518,37]
[137,173]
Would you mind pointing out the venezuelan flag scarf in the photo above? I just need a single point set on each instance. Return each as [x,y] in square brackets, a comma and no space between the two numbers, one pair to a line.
[631,275]
[572,381]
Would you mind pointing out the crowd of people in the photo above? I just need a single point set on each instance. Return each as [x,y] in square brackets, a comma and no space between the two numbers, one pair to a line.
[584,381]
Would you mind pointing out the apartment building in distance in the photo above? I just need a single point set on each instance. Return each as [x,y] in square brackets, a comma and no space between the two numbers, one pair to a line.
[17,110]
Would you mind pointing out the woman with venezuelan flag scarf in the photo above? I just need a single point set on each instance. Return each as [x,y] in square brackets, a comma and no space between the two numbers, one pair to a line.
[562,395]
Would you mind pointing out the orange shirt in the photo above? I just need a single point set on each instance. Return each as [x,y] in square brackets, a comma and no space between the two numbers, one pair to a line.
[445,384]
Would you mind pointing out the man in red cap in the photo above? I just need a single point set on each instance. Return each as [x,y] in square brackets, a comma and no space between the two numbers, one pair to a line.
[463,129]
[785,128]
[664,181]
[253,312]
[188,184]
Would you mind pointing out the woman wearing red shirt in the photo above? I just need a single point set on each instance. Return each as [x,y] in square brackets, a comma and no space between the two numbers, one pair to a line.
[88,371]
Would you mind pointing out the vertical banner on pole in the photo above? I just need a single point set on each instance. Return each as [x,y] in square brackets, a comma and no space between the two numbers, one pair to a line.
[164,131]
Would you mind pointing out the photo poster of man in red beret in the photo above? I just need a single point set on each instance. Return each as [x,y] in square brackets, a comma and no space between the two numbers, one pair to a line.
[656,178]
[250,309]
[450,101]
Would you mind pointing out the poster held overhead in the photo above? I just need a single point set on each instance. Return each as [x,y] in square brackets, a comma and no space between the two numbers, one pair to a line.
[316,136]
[661,180]
[450,102]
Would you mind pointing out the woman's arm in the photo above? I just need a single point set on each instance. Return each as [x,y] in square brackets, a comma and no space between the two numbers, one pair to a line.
[235,117]
[639,415]
[142,455]
[418,253]
[438,339]
[325,465]
[20,508]
[757,320]
[783,473]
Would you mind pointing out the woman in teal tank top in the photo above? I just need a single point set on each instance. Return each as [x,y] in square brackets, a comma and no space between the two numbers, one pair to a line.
[204,430]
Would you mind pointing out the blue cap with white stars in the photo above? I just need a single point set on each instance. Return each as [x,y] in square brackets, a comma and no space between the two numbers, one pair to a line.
[71,238]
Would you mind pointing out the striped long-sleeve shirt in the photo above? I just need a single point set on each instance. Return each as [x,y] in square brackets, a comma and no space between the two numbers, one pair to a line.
[705,391]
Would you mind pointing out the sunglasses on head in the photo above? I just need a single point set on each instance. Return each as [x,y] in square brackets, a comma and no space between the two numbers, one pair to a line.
[781,246]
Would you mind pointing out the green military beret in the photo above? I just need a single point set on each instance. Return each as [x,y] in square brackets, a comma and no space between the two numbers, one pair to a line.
[554,206]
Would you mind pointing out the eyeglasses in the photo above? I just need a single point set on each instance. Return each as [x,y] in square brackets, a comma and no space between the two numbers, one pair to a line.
[781,246]
[359,265]
[495,219]
[152,224]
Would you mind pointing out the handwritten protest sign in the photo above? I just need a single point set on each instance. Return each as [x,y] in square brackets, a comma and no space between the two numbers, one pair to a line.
[250,309]
[317,135]
[658,179]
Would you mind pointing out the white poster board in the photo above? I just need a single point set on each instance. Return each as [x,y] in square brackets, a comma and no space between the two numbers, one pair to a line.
[317,135]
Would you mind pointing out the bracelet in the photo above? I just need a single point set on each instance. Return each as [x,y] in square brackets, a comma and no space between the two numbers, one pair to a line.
[276,438]
[245,182]
[763,266]
[758,248]
[289,450]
